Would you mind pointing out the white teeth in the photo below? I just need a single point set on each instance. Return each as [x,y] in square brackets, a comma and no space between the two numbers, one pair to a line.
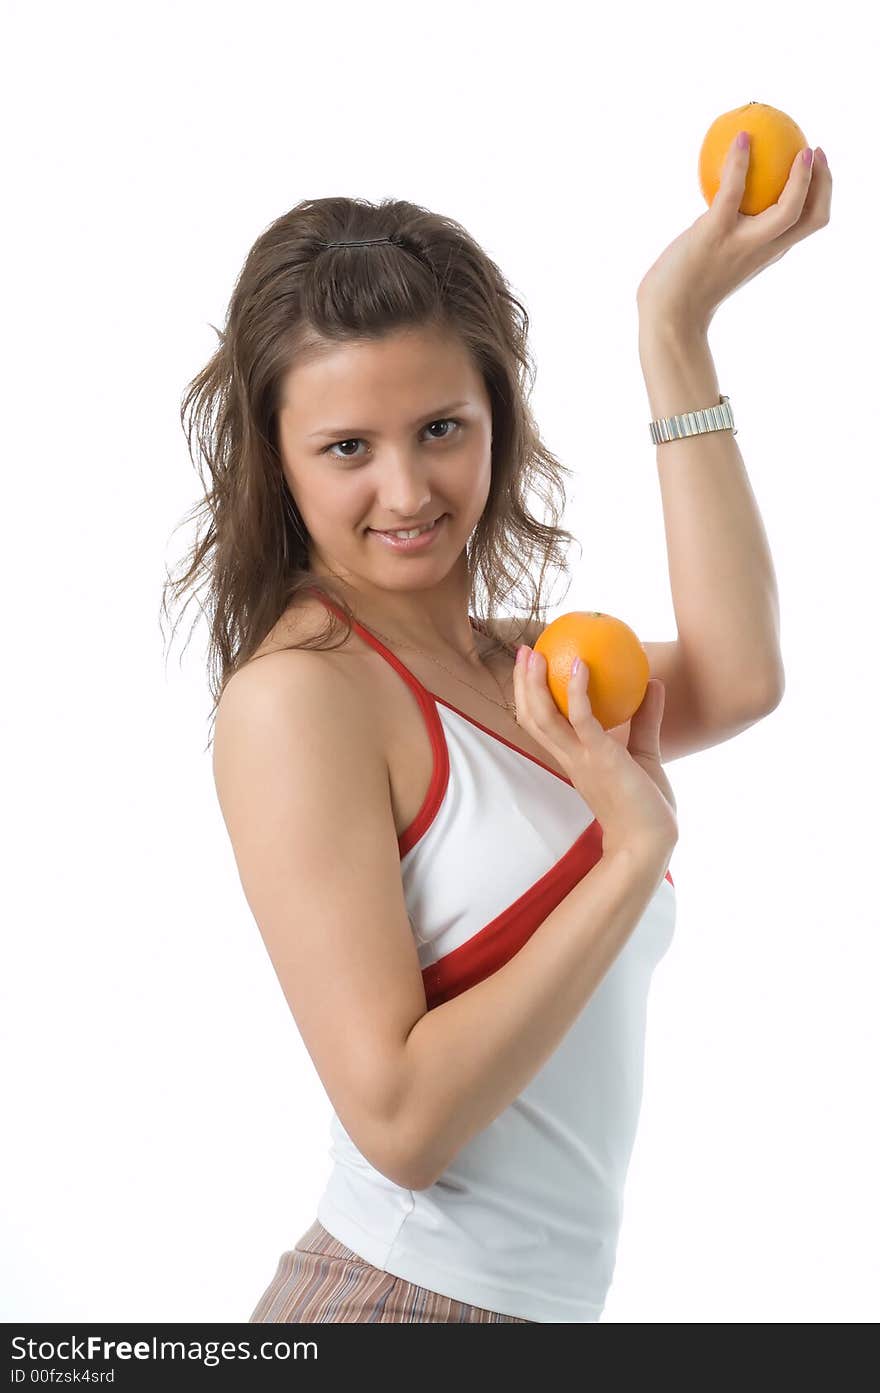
[416,532]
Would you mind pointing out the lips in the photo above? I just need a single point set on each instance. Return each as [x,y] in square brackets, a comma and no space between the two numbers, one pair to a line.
[423,540]
[390,531]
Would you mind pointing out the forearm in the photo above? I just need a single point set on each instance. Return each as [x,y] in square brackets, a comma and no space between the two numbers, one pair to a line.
[721,572]
[469,1058]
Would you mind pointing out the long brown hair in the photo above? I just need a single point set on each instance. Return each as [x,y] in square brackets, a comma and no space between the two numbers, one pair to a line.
[292,296]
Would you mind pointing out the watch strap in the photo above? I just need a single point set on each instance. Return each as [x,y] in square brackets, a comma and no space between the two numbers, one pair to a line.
[708,418]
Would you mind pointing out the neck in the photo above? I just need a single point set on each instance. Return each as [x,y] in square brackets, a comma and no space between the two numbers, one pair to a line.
[435,624]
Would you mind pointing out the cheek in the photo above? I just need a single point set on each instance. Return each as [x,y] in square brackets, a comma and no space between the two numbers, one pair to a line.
[473,473]
[480,482]
[338,501]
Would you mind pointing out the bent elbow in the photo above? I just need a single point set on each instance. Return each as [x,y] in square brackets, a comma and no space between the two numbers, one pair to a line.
[406,1175]
[773,694]
[411,1172]
[410,1167]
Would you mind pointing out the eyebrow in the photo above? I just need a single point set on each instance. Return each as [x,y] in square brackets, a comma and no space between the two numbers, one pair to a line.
[349,432]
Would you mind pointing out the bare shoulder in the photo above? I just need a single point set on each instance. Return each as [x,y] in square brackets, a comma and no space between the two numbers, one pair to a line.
[283,674]
[299,625]
[301,622]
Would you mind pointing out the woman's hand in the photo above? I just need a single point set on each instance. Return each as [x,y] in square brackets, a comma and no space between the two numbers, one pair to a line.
[625,787]
[724,248]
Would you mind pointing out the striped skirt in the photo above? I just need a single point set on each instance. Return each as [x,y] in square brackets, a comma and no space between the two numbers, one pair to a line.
[320,1280]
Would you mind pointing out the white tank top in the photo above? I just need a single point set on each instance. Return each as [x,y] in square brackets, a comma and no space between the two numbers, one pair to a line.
[525,1219]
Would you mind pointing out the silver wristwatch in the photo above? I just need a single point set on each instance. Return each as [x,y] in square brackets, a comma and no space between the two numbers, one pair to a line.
[667,428]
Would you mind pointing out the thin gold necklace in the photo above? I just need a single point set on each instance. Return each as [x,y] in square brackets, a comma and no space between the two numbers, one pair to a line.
[509,706]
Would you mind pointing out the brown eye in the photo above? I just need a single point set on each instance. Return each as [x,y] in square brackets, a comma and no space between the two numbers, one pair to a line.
[444,421]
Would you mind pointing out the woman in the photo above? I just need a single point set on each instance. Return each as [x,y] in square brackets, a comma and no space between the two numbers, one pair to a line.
[463,893]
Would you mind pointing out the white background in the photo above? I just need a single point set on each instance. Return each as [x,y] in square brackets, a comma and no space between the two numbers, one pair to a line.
[167,1136]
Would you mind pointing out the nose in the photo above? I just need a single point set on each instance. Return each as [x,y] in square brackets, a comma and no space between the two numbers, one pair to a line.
[402,490]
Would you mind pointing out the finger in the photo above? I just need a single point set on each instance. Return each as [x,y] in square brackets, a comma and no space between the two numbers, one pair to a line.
[726,203]
[647,720]
[816,211]
[545,718]
[536,692]
[520,692]
[524,691]
[793,206]
[817,205]
[580,710]
[581,726]
[650,709]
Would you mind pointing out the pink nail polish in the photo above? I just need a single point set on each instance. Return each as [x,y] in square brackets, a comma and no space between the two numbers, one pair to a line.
[807,156]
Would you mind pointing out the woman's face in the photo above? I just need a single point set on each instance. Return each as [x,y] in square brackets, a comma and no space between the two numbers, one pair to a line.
[387,435]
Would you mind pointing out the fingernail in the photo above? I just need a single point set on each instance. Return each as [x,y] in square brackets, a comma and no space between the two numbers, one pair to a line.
[807,156]
[575,667]
[742,140]
[532,657]
[821,156]
[519,653]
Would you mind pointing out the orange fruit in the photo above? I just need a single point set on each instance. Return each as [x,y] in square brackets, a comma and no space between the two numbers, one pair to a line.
[619,667]
[775,141]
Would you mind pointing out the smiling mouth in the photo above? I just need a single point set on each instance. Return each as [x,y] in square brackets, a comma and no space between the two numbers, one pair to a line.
[418,526]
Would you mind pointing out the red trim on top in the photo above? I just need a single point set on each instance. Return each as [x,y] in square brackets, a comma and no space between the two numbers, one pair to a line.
[525,753]
[436,791]
[440,769]
[503,739]
[489,949]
